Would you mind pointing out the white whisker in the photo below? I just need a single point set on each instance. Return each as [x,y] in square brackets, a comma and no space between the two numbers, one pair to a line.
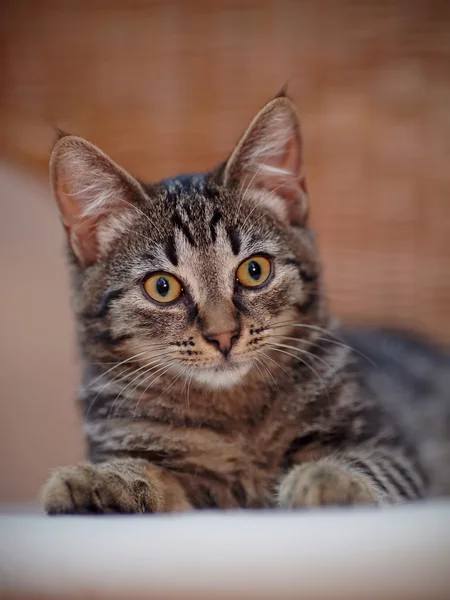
[116,379]
[162,393]
[299,359]
[274,361]
[115,367]
[191,377]
[190,371]
[155,366]
[313,356]
[263,377]
[327,332]
[169,366]
[266,368]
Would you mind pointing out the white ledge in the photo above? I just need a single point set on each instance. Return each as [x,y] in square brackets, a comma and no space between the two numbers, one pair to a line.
[401,552]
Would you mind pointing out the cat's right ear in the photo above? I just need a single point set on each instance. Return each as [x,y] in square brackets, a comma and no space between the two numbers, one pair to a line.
[94,196]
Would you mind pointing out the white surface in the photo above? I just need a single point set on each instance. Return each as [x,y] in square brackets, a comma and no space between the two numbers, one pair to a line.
[366,553]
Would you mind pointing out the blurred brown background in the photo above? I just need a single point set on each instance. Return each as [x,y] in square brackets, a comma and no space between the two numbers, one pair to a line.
[165,87]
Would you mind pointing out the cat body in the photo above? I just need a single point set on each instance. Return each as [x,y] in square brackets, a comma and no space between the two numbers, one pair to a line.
[213,373]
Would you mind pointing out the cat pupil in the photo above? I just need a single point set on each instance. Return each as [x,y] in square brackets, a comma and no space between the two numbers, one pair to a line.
[162,286]
[254,270]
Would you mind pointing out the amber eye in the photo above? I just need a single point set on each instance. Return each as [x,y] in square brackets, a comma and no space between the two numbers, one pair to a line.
[162,287]
[254,271]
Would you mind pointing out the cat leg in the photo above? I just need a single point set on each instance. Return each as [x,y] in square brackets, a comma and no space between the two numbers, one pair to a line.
[354,478]
[118,486]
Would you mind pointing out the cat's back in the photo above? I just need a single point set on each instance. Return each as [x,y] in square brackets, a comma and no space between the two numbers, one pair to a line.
[411,377]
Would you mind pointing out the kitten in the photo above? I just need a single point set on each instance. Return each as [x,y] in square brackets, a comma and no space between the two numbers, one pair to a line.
[212,371]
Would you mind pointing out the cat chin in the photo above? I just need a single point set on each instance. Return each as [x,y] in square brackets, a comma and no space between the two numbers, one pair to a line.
[221,379]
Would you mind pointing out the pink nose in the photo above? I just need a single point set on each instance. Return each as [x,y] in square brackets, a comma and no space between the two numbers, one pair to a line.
[223,341]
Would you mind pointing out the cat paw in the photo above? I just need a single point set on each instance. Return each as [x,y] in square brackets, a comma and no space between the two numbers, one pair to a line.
[322,483]
[116,487]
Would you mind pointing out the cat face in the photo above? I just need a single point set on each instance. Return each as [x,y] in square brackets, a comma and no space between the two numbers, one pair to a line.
[194,274]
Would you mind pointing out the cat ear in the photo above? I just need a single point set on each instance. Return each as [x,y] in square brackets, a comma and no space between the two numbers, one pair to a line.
[94,196]
[267,163]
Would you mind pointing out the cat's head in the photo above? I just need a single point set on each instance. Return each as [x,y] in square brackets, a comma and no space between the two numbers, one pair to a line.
[202,275]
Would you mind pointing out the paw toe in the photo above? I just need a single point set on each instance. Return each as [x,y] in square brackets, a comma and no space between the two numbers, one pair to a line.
[58,496]
[314,484]
[68,491]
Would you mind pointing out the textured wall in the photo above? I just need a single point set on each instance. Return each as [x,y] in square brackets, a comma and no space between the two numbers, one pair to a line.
[169,86]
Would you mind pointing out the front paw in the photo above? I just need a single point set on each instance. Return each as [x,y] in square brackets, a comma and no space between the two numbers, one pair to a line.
[116,487]
[322,483]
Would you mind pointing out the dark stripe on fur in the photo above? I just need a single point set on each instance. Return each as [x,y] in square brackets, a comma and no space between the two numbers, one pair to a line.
[305,274]
[235,240]
[200,495]
[396,484]
[291,261]
[187,210]
[156,457]
[239,494]
[105,337]
[176,219]
[105,305]
[309,304]
[147,256]
[171,251]
[212,226]
[199,471]
[366,470]
[299,443]
[407,478]
[192,313]
[240,304]
[171,420]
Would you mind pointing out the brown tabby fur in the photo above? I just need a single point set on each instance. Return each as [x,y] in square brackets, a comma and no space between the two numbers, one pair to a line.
[286,419]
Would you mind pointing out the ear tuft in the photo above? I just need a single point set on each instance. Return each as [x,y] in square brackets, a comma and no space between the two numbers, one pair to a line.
[60,133]
[283,92]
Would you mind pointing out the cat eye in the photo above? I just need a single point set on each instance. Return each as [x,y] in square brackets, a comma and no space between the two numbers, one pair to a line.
[254,271]
[162,287]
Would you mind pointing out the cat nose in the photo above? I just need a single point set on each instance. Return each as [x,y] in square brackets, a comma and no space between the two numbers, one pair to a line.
[224,341]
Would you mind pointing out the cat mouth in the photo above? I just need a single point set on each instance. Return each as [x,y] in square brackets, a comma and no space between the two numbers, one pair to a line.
[224,366]
[223,373]
[225,363]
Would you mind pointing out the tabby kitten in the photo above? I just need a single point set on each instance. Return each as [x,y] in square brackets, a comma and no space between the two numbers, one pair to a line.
[212,374]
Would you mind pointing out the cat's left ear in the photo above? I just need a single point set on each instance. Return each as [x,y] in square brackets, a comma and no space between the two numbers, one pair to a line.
[267,163]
